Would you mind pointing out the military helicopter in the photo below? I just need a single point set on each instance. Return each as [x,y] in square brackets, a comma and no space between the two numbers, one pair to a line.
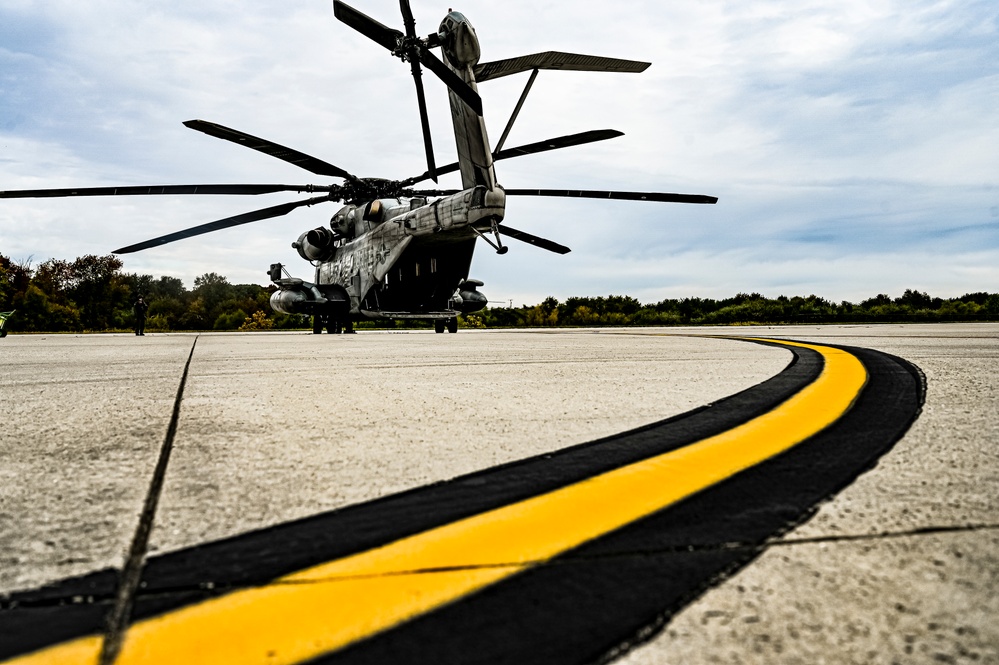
[392,251]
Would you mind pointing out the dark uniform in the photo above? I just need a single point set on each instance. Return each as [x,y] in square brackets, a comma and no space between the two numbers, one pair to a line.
[139,309]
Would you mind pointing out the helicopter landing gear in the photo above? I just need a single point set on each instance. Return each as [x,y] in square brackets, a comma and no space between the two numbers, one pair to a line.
[451,325]
[494,228]
[333,325]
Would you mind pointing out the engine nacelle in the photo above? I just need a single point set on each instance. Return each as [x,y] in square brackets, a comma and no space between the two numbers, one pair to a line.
[468,299]
[343,221]
[315,245]
[296,297]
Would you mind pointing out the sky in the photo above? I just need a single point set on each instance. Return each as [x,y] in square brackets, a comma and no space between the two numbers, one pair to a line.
[853,145]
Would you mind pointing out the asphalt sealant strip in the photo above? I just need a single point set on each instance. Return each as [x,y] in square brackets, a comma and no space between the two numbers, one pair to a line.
[585,605]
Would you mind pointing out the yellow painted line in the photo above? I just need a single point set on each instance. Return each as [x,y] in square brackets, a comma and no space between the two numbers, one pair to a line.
[326,607]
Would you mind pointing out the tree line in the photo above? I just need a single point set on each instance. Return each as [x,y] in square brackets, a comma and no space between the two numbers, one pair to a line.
[911,306]
[92,294]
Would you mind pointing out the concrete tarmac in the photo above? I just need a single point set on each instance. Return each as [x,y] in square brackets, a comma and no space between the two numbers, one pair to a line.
[901,566]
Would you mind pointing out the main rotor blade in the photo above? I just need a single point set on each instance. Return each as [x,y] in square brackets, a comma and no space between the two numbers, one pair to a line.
[452,80]
[486,71]
[154,190]
[245,218]
[367,26]
[543,243]
[560,142]
[626,196]
[299,159]
[530,149]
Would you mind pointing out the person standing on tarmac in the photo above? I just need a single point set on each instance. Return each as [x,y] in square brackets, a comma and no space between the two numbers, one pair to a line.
[139,309]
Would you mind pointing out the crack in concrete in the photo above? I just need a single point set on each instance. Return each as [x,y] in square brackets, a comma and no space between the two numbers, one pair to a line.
[222,587]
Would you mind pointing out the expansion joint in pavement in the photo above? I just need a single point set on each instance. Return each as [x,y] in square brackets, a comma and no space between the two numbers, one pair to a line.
[131,573]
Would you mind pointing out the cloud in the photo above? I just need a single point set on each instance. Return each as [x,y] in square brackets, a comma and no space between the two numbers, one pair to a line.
[853,144]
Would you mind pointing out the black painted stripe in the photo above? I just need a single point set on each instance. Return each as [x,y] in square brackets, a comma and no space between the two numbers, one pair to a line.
[596,602]
[180,578]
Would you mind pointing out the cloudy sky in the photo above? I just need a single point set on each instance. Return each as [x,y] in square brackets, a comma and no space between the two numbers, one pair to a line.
[854,145]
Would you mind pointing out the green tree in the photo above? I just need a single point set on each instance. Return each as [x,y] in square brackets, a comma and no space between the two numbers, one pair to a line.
[914,300]
[876,301]
[195,316]
[38,313]
[97,289]
[231,320]
[545,314]
[211,289]
[992,306]
[169,287]
[8,283]
[53,278]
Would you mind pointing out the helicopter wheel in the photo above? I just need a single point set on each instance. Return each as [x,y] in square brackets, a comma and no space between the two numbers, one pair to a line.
[317,324]
[333,327]
[452,325]
[438,326]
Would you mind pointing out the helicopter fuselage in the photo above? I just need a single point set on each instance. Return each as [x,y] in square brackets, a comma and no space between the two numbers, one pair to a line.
[404,256]
[407,257]
[395,251]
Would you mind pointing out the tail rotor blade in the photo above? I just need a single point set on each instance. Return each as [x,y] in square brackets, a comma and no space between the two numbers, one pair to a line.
[409,44]
[431,62]
[424,121]
[407,18]
[366,25]
[452,80]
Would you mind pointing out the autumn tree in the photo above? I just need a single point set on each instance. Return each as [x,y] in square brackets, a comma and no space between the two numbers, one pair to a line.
[98,291]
